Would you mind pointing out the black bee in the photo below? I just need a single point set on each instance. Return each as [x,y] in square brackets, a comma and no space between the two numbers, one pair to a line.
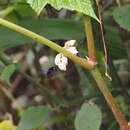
[52,72]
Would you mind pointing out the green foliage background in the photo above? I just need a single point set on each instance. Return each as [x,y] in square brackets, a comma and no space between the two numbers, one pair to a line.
[79,103]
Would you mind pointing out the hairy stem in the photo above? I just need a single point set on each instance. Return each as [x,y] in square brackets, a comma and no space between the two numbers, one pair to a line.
[100,81]
[83,62]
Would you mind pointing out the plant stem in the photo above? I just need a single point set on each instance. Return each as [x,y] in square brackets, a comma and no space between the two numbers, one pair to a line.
[100,81]
[83,62]
[90,39]
[109,98]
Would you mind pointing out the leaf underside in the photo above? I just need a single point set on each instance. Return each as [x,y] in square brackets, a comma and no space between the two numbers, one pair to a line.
[82,6]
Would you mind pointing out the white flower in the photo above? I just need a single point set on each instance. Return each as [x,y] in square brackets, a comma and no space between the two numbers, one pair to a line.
[69,43]
[60,60]
[69,46]
[62,66]
[73,50]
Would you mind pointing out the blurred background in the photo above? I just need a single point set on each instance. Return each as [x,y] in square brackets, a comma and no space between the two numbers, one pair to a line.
[38,75]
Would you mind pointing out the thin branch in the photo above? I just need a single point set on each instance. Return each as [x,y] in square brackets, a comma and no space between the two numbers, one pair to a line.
[102,86]
[110,100]
[83,62]
[103,40]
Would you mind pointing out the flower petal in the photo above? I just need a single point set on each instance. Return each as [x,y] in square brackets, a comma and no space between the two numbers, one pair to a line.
[58,58]
[62,66]
[72,42]
[69,43]
[73,50]
[61,61]
[64,59]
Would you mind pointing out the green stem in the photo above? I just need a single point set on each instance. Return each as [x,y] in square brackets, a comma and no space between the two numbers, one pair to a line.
[100,81]
[90,39]
[83,62]
[109,98]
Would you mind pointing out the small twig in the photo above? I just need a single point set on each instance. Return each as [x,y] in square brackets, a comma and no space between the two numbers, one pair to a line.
[103,40]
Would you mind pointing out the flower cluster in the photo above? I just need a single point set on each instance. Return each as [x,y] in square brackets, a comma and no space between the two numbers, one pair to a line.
[60,60]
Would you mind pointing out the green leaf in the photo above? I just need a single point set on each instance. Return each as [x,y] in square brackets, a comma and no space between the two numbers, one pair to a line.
[11,38]
[37,5]
[52,29]
[122,16]
[7,73]
[82,6]
[114,42]
[34,117]
[88,118]
[24,10]
[56,28]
